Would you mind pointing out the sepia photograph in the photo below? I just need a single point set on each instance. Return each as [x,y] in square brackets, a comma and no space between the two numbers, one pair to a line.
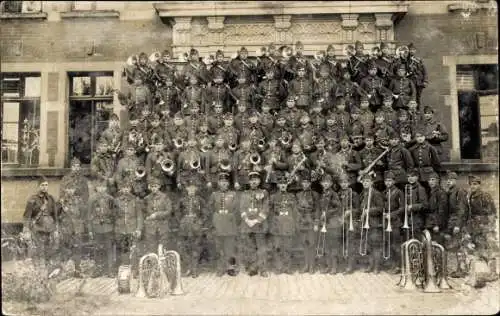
[249,157]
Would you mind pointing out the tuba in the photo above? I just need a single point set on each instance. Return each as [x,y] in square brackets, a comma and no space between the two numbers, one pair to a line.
[254,158]
[140,172]
[167,165]
[160,274]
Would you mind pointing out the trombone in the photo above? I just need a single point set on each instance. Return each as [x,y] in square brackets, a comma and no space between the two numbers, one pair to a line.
[387,229]
[363,241]
[408,202]
[320,245]
[345,235]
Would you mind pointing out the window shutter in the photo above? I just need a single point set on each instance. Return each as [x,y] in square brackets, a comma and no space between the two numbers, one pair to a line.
[465,80]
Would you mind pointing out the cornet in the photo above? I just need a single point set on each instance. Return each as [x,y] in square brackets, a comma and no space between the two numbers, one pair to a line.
[363,243]
[285,139]
[345,235]
[232,146]
[205,148]
[167,165]
[387,229]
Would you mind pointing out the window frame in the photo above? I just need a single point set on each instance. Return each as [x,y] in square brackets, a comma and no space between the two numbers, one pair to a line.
[36,103]
[93,99]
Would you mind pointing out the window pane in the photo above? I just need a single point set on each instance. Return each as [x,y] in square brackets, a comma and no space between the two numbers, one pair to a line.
[32,6]
[489,127]
[11,87]
[82,5]
[32,87]
[10,112]
[103,112]
[470,145]
[10,135]
[80,130]
[81,86]
[104,85]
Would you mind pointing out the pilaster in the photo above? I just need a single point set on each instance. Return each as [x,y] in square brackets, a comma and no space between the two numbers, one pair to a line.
[181,32]
[349,24]
[282,25]
[384,26]
[216,30]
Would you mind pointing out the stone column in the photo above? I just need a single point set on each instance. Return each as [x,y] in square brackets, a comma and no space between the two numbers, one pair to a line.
[282,25]
[349,24]
[383,24]
[216,35]
[181,34]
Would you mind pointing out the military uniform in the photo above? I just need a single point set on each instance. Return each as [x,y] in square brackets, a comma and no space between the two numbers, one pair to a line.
[403,90]
[372,85]
[125,170]
[419,204]
[243,166]
[266,121]
[102,214]
[138,98]
[77,181]
[395,204]
[385,66]
[154,168]
[283,225]
[218,156]
[194,67]
[225,220]
[102,168]
[417,73]
[352,163]
[241,120]
[381,132]
[318,122]
[438,213]
[357,64]
[230,134]
[185,171]
[194,94]
[169,97]
[254,208]
[301,164]
[399,160]
[342,118]
[435,133]
[302,88]
[426,159]
[305,135]
[193,218]
[368,154]
[366,118]
[350,198]
[272,91]
[219,93]
[390,116]
[307,208]
[275,164]
[349,91]
[325,88]
[241,64]
[215,121]
[292,116]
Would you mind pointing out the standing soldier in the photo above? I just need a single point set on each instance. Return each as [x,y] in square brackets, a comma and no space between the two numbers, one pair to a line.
[435,132]
[349,200]
[178,133]
[390,115]
[402,88]
[241,65]
[425,157]
[162,68]
[75,180]
[271,90]
[192,218]
[341,115]
[229,132]
[216,118]
[194,93]
[254,208]
[348,90]
[266,61]
[102,166]
[219,160]
[129,225]
[275,164]
[308,222]
[351,161]
[219,66]
[417,72]
[372,207]
[154,132]
[372,85]
[242,165]
[358,63]
[437,220]
[398,159]
[218,93]
[330,217]
[195,68]
[381,130]
[366,116]
[127,167]
[325,86]
[266,119]
[241,118]
[368,154]
[225,221]
[385,64]
[394,205]
[305,134]
[283,221]
[169,95]
[113,136]
[291,113]
[298,164]
[318,120]
[102,215]
[253,131]
[160,164]
[302,88]
[322,159]
[138,98]
[189,164]
[41,223]
[157,211]
[418,203]
[333,64]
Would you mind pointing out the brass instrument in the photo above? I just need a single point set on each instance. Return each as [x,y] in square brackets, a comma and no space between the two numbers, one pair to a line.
[140,172]
[232,146]
[372,164]
[178,143]
[408,202]
[363,242]
[320,245]
[195,164]
[291,175]
[286,139]
[261,143]
[345,235]
[411,264]
[163,274]
[387,229]
[254,158]
[205,148]
[225,165]
[400,50]
[167,165]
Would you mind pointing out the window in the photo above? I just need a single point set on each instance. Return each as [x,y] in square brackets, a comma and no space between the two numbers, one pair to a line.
[478,111]
[22,6]
[84,5]
[20,100]
[91,105]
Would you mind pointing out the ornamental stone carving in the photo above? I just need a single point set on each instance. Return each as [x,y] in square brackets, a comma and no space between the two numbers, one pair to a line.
[282,24]
[182,31]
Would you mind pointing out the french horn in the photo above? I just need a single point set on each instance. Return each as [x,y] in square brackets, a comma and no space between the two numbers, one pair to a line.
[167,165]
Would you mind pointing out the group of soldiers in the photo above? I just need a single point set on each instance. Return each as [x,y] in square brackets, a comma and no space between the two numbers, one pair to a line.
[267,158]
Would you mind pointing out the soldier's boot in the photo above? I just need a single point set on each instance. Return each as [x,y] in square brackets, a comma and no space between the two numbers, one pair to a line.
[333,265]
[305,268]
[194,265]
[221,264]
[350,265]
[376,264]
[370,265]
[311,265]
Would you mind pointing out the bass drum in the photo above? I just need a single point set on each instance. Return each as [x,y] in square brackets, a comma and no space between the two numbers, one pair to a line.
[124,279]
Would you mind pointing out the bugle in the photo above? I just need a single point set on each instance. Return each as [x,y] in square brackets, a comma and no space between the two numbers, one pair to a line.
[365,216]
[372,164]
[345,235]
[387,229]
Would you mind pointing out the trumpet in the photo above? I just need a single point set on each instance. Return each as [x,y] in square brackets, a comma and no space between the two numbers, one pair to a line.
[408,202]
[167,165]
[140,172]
[345,235]
[363,244]
[178,142]
[254,158]
[320,245]
[387,229]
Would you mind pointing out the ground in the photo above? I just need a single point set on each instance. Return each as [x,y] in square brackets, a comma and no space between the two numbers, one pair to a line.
[298,294]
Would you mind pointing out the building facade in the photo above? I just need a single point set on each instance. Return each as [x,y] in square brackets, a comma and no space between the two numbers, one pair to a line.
[61,61]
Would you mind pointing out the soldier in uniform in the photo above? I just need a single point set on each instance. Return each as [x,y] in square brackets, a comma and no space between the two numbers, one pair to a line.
[229,132]
[192,218]
[162,68]
[169,95]
[158,159]
[127,167]
[349,200]
[305,134]
[218,92]
[189,164]
[394,205]
[308,222]
[417,72]
[193,119]
[195,68]
[194,93]
[216,118]
[333,64]
[219,158]
[390,115]
[271,90]
[241,118]
[358,63]
[274,164]
[366,116]
[282,133]
[283,221]
[41,222]
[437,220]
[241,65]
[368,155]
[322,159]
[102,214]
[113,135]
[155,131]
[330,216]
[385,64]
[266,61]
[254,208]
[333,134]
[372,85]
[302,88]
[128,227]
[75,180]
[418,203]
[348,90]
[292,113]
[178,133]
[325,86]
[351,161]
[425,157]
[399,159]
[157,211]
[225,220]
[138,98]
[435,132]
[266,119]
[372,206]
[242,164]
[381,130]
[342,117]
[253,131]
[219,66]
[402,88]
[297,164]
[102,166]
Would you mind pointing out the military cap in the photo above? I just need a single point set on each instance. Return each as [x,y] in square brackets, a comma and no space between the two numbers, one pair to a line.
[369,136]
[272,46]
[356,134]
[343,178]
[355,109]
[227,116]
[166,52]
[318,103]
[383,45]
[402,111]
[178,115]
[420,131]
[474,179]
[219,53]
[379,114]
[287,50]
[386,93]
[451,175]
[296,142]
[133,123]
[291,96]
[193,52]
[114,117]
[299,44]
[428,109]
[254,174]
[243,49]
[327,178]
[340,100]
[318,138]
[372,65]
[413,172]
[358,44]
[389,175]
[363,97]
[42,179]
[366,176]
[433,175]
[223,176]
[411,46]
[305,175]
[75,161]
[330,48]
[143,56]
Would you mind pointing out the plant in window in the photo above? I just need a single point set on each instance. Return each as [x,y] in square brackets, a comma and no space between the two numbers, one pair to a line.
[30,141]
